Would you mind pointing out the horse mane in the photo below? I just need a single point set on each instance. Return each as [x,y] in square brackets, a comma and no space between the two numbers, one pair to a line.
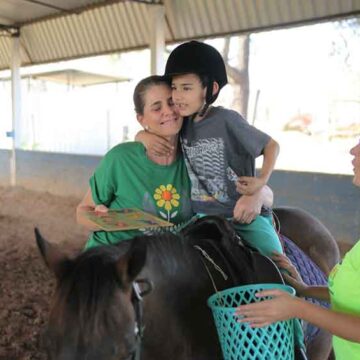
[85,290]
[87,287]
[90,280]
[169,252]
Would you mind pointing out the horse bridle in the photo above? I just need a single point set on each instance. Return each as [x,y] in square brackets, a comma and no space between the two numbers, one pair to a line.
[140,288]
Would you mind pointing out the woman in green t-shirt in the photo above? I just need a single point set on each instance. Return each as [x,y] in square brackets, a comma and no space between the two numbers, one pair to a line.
[129,177]
[343,291]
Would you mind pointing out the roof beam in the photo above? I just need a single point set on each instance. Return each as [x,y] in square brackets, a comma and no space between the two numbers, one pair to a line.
[50,6]
[9,30]
[148,2]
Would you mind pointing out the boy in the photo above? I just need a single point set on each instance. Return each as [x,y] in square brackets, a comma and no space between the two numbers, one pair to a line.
[219,146]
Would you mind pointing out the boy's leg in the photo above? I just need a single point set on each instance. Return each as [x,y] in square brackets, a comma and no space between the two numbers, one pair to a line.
[261,235]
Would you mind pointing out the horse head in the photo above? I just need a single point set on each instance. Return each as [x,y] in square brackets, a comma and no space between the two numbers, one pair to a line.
[92,315]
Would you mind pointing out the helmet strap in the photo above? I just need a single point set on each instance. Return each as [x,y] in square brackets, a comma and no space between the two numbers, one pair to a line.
[204,109]
[209,91]
[209,99]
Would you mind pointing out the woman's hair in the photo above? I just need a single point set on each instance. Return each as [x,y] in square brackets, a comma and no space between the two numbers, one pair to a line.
[143,86]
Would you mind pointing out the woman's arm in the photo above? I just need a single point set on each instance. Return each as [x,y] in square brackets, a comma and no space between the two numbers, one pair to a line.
[87,204]
[339,324]
[316,292]
[293,278]
[284,306]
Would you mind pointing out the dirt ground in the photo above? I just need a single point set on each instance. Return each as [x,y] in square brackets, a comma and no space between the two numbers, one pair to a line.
[26,284]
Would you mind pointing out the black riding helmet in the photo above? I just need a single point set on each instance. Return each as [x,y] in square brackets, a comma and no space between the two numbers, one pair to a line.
[198,58]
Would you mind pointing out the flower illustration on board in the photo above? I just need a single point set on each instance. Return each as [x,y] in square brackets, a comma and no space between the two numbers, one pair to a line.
[167,197]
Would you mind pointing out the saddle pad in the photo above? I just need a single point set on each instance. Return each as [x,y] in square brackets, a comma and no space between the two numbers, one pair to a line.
[311,274]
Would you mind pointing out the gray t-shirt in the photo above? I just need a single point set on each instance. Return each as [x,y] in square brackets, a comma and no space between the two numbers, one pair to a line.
[217,150]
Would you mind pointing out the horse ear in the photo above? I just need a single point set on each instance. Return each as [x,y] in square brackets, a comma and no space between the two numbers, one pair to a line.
[129,265]
[54,258]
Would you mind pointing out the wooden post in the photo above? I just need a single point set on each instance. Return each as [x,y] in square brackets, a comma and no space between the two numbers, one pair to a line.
[157,38]
[16,104]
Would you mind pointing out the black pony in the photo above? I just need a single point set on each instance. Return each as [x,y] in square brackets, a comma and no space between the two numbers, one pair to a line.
[94,313]
[98,312]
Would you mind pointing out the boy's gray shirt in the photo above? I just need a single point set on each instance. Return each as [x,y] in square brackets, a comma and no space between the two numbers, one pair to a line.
[217,150]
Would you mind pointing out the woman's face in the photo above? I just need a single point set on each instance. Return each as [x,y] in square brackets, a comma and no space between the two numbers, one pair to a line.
[355,151]
[160,116]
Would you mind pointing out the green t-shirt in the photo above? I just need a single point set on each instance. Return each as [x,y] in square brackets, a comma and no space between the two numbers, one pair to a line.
[344,286]
[126,178]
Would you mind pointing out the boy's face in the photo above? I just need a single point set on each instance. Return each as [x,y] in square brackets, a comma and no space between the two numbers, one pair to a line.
[188,94]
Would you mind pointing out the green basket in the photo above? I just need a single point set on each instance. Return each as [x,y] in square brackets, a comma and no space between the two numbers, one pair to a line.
[241,342]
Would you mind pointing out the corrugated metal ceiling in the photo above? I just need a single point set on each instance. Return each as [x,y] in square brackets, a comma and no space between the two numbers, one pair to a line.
[66,29]
[20,12]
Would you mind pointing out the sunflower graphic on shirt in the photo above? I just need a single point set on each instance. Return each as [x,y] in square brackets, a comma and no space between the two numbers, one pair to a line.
[167,199]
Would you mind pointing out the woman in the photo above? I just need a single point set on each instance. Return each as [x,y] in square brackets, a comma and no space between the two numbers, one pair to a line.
[343,320]
[129,176]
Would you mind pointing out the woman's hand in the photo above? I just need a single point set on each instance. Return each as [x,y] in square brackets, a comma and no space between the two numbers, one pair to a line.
[292,276]
[282,306]
[101,209]
[87,205]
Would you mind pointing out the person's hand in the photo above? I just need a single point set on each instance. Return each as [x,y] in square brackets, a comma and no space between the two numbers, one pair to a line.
[155,145]
[282,306]
[101,209]
[247,208]
[291,276]
[249,185]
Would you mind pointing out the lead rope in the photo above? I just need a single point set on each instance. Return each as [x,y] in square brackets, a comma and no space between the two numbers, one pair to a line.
[277,227]
[276,222]
[139,329]
[216,267]
[137,301]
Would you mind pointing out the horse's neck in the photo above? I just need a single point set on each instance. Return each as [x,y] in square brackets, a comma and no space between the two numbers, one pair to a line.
[176,313]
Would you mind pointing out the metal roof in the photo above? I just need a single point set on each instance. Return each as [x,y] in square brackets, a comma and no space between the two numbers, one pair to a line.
[54,30]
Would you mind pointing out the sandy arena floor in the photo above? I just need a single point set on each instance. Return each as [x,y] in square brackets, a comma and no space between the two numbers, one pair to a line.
[26,284]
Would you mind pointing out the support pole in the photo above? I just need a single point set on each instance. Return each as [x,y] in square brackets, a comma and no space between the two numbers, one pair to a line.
[157,38]
[16,102]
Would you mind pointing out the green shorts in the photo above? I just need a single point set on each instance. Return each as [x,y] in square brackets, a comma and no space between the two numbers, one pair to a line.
[260,234]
